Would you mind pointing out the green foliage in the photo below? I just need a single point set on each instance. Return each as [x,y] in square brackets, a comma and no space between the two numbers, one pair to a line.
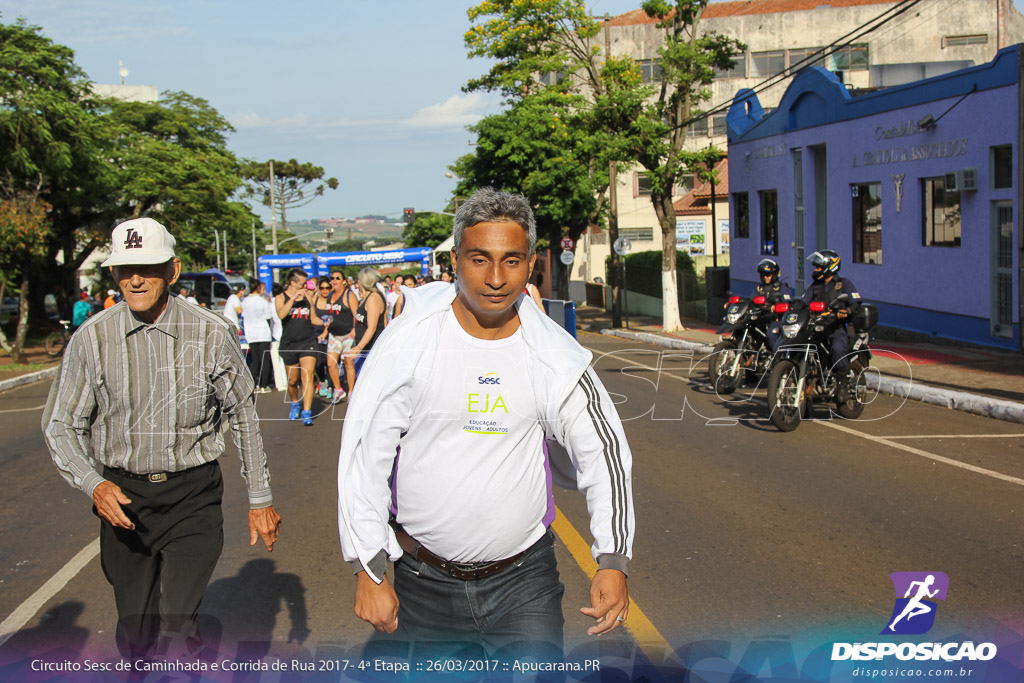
[427,230]
[295,184]
[643,273]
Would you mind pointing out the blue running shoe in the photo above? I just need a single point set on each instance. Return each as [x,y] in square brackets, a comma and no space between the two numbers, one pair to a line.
[293,414]
[307,417]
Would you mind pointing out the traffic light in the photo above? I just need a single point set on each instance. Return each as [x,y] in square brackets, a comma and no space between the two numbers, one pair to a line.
[410,216]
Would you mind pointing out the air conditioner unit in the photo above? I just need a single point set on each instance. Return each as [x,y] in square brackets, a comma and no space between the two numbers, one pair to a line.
[968,179]
[951,182]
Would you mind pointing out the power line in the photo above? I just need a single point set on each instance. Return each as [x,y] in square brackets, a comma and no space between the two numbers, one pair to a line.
[825,51]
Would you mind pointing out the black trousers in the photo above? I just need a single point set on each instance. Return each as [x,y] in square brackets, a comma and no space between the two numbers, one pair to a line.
[262,366]
[160,569]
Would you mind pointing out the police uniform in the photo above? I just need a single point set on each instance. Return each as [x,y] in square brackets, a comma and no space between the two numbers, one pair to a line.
[839,339]
[773,293]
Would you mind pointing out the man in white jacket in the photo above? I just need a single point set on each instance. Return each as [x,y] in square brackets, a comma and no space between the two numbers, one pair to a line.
[449,449]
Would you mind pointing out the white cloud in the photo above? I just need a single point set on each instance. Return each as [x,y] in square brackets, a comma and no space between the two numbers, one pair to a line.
[457,110]
[248,119]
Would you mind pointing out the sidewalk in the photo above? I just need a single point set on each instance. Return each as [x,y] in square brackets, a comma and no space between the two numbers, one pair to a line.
[982,381]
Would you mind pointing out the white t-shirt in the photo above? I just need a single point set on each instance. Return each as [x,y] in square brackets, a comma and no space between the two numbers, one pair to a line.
[256,312]
[477,440]
[391,298]
[231,307]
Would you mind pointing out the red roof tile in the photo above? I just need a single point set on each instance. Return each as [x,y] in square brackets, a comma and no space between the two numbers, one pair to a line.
[745,7]
[697,200]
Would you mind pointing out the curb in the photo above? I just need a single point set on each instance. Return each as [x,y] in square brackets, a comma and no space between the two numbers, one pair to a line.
[975,404]
[30,378]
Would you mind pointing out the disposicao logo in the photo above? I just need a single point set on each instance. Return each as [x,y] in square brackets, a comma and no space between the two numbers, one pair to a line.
[913,614]
[916,593]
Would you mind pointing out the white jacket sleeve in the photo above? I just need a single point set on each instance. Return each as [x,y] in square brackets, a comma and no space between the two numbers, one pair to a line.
[590,429]
[364,468]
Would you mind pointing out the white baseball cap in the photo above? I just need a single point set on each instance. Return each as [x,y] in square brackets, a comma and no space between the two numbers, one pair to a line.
[140,242]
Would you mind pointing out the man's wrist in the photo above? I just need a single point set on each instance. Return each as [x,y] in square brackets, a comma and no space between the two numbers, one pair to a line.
[613,561]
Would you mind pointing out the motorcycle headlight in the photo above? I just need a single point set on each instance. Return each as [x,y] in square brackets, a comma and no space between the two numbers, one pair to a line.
[790,331]
[731,318]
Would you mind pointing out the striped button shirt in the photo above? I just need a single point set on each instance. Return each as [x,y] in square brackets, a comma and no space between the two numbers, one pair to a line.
[152,398]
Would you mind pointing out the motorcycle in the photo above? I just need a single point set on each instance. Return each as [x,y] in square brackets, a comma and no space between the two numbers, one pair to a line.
[799,376]
[745,351]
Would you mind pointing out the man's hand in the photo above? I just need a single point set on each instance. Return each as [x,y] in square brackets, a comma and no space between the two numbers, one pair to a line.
[376,603]
[609,600]
[108,499]
[264,523]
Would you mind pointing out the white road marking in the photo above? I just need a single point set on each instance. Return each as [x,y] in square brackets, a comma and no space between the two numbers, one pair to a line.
[889,441]
[22,410]
[954,436]
[28,609]
[925,454]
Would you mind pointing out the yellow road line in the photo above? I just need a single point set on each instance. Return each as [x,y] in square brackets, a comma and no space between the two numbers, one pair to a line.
[647,637]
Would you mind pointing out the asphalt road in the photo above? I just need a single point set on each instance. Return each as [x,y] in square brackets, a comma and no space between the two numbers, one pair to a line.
[743,533]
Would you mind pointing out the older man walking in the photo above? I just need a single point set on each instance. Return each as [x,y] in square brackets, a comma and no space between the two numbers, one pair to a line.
[132,420]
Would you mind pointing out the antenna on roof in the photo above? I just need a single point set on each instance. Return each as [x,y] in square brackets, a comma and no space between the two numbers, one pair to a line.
[124,71]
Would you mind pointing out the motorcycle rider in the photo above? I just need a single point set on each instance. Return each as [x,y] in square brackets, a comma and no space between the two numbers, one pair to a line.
[828,287]
[773,290]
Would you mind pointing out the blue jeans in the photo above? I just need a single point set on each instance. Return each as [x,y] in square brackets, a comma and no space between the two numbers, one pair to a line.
[514,614]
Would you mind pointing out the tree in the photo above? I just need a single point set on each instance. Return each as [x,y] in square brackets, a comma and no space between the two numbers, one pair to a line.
[427,230]
[295,184]
[688,63]
[24,228]
[533,41]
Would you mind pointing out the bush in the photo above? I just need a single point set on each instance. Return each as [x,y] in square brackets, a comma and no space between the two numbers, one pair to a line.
[643,274]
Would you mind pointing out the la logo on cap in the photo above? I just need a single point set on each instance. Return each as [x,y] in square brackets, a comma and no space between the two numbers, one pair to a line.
[134,240]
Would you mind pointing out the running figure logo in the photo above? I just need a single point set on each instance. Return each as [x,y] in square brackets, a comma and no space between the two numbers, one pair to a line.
[914,612]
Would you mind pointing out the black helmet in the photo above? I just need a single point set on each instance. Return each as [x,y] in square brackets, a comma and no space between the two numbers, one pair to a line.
[827,260]
[768,267]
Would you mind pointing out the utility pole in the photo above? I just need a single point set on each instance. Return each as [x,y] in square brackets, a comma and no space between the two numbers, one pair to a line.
[273,210]
[224,243]
[216,246]
[613,209]
[252,228]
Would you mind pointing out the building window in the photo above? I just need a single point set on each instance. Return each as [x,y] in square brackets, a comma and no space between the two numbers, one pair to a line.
[764,64]
[552,77]
[643,185]
[738,70]
[637,234]
[960,41]
[867,223]
[718,125]
[769,222]
[741,214]
[650,69]
[698,129]
[797,57]
[684,184]
[941,213]
[1002,167]
[849,57]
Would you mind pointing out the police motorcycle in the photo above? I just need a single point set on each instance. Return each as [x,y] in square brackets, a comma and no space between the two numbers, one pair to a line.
[802,370]
[745,352]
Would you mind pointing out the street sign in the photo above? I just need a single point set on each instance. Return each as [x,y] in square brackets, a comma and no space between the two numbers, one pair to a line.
[623,246]
[566,243]
[567,257]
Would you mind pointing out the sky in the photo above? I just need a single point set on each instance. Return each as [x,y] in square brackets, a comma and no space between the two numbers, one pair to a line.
[371,90]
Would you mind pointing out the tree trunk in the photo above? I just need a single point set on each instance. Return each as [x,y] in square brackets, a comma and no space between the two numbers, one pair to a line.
[669,282]
[19,337]
[4,344]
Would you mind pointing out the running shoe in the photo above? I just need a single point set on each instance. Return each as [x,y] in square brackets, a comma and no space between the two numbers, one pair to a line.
[307,417]
[294,413]
[338,397]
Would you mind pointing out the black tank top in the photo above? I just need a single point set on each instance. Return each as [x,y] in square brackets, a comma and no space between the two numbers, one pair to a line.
[341,324]
[297,327]
[361,325]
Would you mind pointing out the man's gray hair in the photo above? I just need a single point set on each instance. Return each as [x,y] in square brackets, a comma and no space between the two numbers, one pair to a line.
[490,205]
[368,278]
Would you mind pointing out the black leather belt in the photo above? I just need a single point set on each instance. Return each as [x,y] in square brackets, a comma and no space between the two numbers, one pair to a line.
[154,477]
[466,571]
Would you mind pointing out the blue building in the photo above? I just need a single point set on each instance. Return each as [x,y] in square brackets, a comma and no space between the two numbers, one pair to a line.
[917,187]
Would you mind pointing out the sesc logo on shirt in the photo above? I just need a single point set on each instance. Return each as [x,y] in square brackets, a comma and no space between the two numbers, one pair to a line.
[489,378]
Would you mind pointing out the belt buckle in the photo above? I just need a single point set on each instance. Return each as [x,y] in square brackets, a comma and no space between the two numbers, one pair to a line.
[157,477]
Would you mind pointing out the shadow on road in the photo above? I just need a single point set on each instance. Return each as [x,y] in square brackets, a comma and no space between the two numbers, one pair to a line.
[58,637]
